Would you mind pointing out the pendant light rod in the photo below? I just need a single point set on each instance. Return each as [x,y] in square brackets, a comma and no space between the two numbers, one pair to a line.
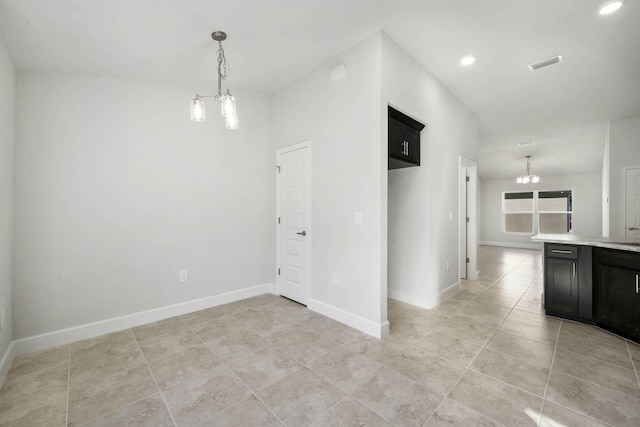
[525,179]
[219,36]
[227,101]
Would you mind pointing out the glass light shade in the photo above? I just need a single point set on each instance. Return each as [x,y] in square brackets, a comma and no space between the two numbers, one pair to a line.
[227,105]
[535,179]
[198,110]
[525,180]
[231,121]
[519,180]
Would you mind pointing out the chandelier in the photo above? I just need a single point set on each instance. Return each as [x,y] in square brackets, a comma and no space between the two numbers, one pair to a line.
[226,100]
[525,179]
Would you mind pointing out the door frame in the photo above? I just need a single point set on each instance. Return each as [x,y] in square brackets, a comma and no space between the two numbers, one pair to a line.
[306,145]
[623,202]
[468,202]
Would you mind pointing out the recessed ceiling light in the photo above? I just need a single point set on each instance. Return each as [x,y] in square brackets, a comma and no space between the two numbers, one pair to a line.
[610,7]
[467,60]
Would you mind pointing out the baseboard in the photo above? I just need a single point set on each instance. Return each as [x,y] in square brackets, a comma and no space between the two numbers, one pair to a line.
[449,292]
[94,329]
[378,330]
[411,299]
[537,246]
[5,363]
[422,302]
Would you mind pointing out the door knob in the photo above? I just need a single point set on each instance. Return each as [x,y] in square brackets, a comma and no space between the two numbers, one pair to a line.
[302,233]
[634,228]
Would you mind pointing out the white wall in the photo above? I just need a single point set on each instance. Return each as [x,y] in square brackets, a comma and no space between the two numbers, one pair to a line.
[587,196]
[7,112]
[117,190]
[606,178]
[624,151]
[421,237]
[342,121]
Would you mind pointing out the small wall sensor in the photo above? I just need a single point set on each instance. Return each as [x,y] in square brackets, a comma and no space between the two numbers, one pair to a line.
[338,74]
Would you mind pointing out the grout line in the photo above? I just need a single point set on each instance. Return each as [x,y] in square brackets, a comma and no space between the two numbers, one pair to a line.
[306,366]
[615,365]
[153,376]
[553,358]
[505,383]
[635,369]
[363,403]
[470,409]
[91,420]
[251,390]
[573,410]
[68,385]
[469,366]
[85,423]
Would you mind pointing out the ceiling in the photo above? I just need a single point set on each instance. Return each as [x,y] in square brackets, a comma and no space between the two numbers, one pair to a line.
[564,108]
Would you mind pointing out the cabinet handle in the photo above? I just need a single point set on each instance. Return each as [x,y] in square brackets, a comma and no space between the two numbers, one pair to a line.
[405,148]
[574,272]
[561,251]
[637,280]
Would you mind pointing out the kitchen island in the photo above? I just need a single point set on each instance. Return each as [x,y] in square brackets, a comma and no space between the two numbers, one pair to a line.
[593,280]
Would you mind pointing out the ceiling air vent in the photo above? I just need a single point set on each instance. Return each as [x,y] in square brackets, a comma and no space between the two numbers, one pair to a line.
[545,62]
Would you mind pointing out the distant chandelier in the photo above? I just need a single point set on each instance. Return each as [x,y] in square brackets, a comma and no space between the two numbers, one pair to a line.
[227,102]
[525,179]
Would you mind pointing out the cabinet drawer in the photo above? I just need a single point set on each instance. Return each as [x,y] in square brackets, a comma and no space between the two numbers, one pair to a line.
[562,251]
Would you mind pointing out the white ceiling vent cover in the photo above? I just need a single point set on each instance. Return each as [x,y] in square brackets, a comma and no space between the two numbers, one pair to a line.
[545,63]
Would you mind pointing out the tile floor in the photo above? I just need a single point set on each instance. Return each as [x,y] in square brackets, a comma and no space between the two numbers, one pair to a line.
[487,356]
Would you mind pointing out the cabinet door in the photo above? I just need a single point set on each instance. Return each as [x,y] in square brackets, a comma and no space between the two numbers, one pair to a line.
[412,140]
[561,286]
[396,139]
[618,299]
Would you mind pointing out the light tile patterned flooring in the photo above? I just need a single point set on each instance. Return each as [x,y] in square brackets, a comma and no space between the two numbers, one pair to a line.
[487,356]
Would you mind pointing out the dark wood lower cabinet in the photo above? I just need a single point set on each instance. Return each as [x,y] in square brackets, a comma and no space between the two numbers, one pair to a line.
[594,285]
[617,289]
[561,294]
[568,286]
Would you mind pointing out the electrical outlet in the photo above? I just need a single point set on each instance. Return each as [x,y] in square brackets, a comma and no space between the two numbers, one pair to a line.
[336,279]
[183,276]
[2,319]
[448,266]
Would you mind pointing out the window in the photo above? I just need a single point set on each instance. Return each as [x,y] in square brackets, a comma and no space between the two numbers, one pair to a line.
[550,212]
[554,210]
[517,211]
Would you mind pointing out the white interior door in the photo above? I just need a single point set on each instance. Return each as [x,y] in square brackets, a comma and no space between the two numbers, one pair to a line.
[463,179]
[293,222]
[468,219]
[632,203]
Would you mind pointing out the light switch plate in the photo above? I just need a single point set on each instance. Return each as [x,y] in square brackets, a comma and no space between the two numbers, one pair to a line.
[357,217]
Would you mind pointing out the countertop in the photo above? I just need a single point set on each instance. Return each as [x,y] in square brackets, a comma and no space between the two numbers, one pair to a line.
[622,244]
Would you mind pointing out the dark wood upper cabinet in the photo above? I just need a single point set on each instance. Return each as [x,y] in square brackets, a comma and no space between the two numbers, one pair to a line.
[404,140]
